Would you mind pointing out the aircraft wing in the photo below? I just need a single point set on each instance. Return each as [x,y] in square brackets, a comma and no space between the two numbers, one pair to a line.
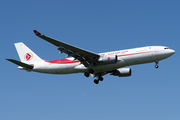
[86,57]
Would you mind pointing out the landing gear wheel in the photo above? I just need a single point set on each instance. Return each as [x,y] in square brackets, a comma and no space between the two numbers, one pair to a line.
[96,81]
[91,71]
[100,78]
[156,66]
[86,74]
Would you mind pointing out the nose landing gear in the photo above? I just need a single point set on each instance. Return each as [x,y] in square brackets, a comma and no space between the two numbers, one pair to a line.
[157,66]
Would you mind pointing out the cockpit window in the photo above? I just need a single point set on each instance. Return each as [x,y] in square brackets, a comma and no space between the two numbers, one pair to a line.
[166,48]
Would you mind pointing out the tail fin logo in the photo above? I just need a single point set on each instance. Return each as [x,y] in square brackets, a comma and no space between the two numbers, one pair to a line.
[28,56]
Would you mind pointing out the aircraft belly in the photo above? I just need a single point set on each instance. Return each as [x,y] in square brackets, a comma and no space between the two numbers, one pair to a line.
[109,67]
[56,68]
[127,59]
[80,68]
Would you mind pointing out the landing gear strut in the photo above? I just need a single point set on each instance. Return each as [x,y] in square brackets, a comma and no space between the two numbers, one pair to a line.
[91,71]
[100,78]
[87,73]
[156,66]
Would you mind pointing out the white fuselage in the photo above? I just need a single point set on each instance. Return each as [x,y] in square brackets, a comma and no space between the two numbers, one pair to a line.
[125,58]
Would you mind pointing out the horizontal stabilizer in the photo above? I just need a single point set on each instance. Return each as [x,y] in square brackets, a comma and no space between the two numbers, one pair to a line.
[20,64]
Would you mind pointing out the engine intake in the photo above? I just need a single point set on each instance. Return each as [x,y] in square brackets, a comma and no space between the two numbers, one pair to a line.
[122,72]
[108,59]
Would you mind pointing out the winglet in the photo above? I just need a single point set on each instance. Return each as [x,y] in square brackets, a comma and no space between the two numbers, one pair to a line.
[37,33]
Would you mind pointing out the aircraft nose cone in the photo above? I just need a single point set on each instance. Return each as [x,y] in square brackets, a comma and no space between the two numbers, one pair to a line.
[172,51]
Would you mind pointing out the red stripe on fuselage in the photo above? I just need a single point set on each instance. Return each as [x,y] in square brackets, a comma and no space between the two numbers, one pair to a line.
[67,61]
[135,53]
[63,61]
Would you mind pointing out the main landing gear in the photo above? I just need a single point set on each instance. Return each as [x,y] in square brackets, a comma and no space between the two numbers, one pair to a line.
[100,78]
[91,71]
[87,73]
[157,66]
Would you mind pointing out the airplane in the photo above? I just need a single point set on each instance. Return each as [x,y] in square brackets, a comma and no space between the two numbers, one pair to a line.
[83,61]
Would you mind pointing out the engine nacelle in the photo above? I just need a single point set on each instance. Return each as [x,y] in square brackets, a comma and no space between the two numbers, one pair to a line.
[108,59]
[122,72]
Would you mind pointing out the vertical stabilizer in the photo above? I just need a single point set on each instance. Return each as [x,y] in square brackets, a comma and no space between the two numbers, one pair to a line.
[26,55]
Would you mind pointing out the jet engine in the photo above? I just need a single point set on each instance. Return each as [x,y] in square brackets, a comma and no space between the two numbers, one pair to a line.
[122,72]
[108,59]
